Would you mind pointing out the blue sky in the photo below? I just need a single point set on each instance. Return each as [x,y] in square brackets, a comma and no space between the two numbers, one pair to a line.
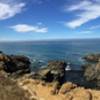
[49,19]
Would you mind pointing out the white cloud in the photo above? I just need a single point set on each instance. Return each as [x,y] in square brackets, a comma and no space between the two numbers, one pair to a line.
[79,6]
[8,10]
[85,32]
[23,28]
[88,11]
[95,27]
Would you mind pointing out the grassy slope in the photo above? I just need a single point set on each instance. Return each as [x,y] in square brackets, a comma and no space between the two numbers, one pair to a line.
[9,90]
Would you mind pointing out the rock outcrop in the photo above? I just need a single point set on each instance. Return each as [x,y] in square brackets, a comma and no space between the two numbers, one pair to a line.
[48,91]
[67,87]
[92,57]
[55,71]
[45,84]
[79,94]
[14,64]
[92,70]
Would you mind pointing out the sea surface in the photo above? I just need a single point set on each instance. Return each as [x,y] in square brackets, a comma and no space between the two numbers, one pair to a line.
[40,52]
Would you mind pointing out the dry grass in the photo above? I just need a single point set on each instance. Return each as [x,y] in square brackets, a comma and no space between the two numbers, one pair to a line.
[10,91]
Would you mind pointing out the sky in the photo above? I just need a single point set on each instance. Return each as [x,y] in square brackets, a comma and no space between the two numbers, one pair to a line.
[26,20]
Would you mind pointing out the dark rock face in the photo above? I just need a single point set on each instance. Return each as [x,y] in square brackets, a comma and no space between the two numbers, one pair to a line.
[92,58]
[92,72]
[13,63]
[54,71]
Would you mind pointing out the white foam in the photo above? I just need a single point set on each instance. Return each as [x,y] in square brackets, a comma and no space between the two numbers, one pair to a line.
[68,67]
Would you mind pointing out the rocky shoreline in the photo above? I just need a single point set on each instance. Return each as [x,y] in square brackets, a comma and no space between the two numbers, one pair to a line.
[49,83]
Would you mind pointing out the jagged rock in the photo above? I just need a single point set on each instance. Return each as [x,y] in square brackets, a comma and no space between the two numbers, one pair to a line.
[55,87]
[54,71]
[1,52]
[79,94]
[2,64]
[89,72]
[4,57]
[66,87]
[50,91]
[14,64]
[92,72]
[17,63]
[92,57]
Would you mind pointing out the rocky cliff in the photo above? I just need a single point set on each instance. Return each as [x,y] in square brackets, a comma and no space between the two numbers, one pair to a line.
[92,69]
[17,83]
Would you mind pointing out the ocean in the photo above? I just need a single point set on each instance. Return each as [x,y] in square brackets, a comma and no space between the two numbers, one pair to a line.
[41,52]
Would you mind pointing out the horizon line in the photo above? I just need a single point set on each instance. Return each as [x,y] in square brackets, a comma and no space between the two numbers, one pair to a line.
[43,40]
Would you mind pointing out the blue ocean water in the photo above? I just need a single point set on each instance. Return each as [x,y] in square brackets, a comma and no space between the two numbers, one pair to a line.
[40,52]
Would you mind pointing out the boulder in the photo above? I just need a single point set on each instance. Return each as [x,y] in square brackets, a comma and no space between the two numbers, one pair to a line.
[2,65]
[1,52]
[4,57]
[20,62]
[54,71]
[66,87]
[92,70]
[92,74]
[14,64]
[55,88]
[92,57]
[79,94]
